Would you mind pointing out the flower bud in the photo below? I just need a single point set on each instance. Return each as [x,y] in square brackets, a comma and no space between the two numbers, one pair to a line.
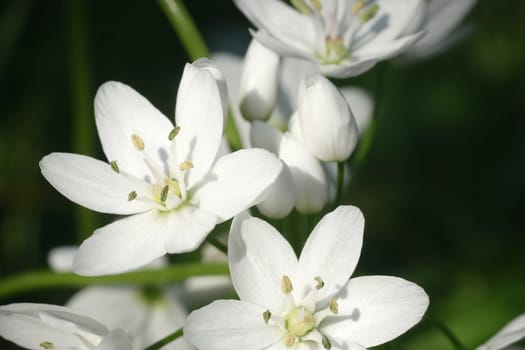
[311,187]
[258,88]
[327,124]
[362,105]
[281,196]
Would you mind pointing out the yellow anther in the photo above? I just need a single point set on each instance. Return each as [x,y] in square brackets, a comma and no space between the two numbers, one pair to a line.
[320,282]
[326,342]
[114,166]
[164,194]
[46,345]
[286,285]
[186,165]
[369,13]
[289,340]
[266,316]
[132,195]
[137,141]
[174,133]
[358,6]
[334,307]
[316,4]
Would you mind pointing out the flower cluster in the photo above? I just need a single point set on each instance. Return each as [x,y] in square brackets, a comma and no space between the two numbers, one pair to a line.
[177,186]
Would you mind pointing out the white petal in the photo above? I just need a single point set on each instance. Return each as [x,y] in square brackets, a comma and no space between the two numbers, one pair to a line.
[237,181]
[443,16]
[259,257]
[327,123]
[333,249]
[349,69]
[390,22]
[265,136]
[292,72]
[388,49]
[215,70]
[165,317]
[199,115]
[281,48]
[376,309]
[91,183]
[116,307]
[511,333]
[231,66]
[361,104]
[281,21]
[189,226]
[30,325]
[281,196]
[258,87]
[229,324]
[124,245]
[121,112]
[309,178]
[60,259]
[117,339]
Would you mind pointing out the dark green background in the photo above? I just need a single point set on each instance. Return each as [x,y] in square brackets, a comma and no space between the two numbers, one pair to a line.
[442,189]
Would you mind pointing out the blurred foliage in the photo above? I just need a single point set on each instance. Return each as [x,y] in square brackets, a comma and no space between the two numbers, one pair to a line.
[442,188]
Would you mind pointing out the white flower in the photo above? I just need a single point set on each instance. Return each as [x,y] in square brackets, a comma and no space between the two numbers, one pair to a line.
[258,87]
[344,37]
[513,332]
[308,303]
[167,178]
[145,314]
[441,19]
[44,327]
[327,124]
[303,184]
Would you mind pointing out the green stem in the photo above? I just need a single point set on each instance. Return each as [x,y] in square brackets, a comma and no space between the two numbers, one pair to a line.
[80,83]
[340,183]
[166,340]
[217,244]
[366,140]
[454,340]
[232,133]
[34,280]
[185,28]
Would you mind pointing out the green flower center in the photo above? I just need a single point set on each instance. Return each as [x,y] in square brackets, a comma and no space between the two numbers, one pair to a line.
[300,321]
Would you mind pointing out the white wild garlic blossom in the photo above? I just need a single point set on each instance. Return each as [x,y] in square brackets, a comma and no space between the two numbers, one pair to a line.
[48,327]
[344,37]
[166,178]
[305,303]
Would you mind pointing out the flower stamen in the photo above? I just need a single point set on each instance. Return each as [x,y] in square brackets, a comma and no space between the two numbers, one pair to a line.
[334,307]
[173,133]
[137,142]
[326,342]
[266,316]
[358,6]
[164,194]
[132,195]
[46,345]
[289,340]
[369,13]
[317,5]
[186,165]
[286,285]
[320,282]
[114,166]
